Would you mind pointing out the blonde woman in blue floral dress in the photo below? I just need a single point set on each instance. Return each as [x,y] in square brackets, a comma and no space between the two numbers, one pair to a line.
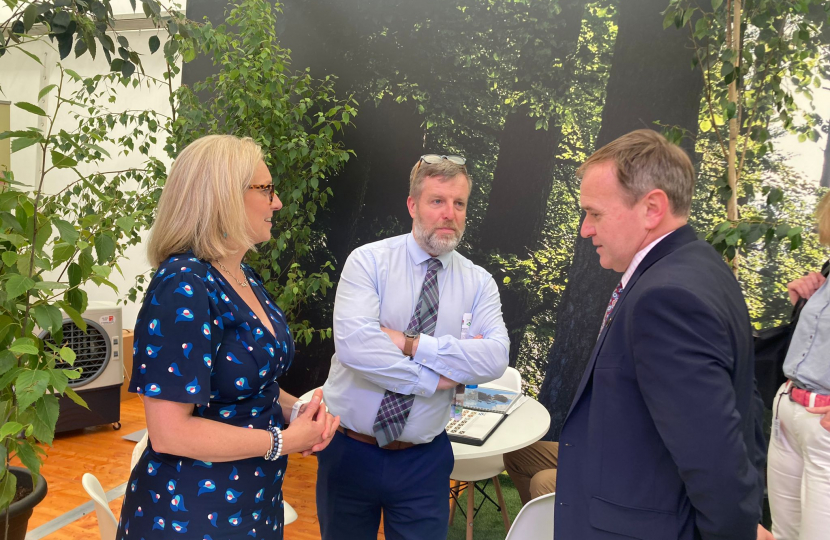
[209,346]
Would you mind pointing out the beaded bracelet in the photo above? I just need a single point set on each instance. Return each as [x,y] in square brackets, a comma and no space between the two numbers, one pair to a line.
[276,444]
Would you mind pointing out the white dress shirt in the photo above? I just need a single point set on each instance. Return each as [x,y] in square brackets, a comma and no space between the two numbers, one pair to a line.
[380,286]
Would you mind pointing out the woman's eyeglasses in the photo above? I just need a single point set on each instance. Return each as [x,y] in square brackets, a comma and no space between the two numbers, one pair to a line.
[265,187]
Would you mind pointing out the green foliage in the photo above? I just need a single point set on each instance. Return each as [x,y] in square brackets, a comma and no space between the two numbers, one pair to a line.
[55,245]
[782,59]
[294,118]
[767,264]
[85,25]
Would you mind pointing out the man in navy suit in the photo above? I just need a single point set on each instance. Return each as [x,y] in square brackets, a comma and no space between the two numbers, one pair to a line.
[660,440]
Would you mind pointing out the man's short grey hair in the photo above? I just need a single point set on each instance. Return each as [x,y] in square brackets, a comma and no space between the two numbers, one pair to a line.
[644,160]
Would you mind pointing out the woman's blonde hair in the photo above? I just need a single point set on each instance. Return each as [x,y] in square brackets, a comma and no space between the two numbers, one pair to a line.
[823,219]
[202,205]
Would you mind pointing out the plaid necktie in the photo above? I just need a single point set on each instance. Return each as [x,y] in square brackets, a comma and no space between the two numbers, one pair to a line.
[394,408]
[610,308]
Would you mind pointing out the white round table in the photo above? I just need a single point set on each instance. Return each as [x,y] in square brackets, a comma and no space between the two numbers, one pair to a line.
[521,428]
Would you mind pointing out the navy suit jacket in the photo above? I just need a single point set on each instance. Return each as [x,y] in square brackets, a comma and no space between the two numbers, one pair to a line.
[661,439]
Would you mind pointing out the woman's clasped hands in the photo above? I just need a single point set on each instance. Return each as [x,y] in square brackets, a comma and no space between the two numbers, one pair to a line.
[313,428]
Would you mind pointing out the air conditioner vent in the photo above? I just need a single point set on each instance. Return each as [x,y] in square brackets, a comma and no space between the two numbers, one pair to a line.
[92,350]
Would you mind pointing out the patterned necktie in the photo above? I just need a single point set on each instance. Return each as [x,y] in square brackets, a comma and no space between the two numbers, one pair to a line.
[610,308]
[394,408]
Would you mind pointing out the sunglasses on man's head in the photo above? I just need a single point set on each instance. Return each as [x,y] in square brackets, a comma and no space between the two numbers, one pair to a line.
[264,187]
[435,158]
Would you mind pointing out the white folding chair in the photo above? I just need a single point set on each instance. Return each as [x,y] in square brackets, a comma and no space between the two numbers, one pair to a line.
[107,524]
[290,515]
[535,520]
[140,446]
[489,468]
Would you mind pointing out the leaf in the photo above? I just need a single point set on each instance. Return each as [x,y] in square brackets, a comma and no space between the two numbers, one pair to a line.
[67,231]
[30,55]
[28,456]
[7,361]
[50,285]
[29,16]
[127,69]
[17,285]
[71,394]
[24,346]
[21,143]
[45,90]
[8,487]
[9,258]
[62,252]
[29,107]
[154,44]
[10,428]
[103,271]
[16,240]
[716,4]
[30,386]
[125,223]
[46,416]
[58,379]
[47,317]
[74,274]
[68,355]
[80,47]
[77,299]
[104,247]
[7,378]
[60,22]
[61,161]
[73,314]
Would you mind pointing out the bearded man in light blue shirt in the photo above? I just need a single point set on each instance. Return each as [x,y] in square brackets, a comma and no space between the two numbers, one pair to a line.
[400,352]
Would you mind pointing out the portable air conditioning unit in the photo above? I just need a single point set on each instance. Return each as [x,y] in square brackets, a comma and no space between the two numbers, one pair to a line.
[98,355]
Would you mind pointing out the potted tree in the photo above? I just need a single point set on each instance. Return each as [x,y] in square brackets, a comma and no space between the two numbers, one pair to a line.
[53,245]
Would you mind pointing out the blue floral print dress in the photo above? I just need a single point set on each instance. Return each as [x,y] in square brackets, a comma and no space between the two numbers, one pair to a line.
[196,341]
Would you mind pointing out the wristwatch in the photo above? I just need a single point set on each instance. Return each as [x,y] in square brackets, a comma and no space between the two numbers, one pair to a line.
[410,336]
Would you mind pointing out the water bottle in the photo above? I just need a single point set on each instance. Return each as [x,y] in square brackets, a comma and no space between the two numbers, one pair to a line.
[471,396]
[457,408]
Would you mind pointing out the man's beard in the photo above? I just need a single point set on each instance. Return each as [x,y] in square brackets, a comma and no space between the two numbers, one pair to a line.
[433,243]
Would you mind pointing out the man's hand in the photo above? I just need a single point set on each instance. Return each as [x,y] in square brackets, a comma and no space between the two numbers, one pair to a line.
[764,534]
[804,287]
[825,420]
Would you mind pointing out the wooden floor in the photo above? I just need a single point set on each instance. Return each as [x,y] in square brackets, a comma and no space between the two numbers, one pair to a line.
[103,452]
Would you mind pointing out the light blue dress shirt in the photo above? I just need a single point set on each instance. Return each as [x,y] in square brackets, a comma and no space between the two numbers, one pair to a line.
[808,359]
[380,286]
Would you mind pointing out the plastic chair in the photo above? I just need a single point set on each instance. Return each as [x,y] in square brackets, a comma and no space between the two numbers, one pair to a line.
[107,524]
[140,446]
[476,470]
[290,515]
[535,520]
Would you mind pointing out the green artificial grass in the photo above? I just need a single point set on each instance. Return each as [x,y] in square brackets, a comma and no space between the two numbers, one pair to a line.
[488,524]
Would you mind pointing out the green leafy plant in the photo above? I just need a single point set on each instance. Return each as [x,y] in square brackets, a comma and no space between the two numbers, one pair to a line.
[760,61]
[294,118]
[53,245]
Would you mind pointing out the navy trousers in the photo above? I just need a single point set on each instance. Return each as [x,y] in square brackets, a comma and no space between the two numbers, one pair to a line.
[356,480]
